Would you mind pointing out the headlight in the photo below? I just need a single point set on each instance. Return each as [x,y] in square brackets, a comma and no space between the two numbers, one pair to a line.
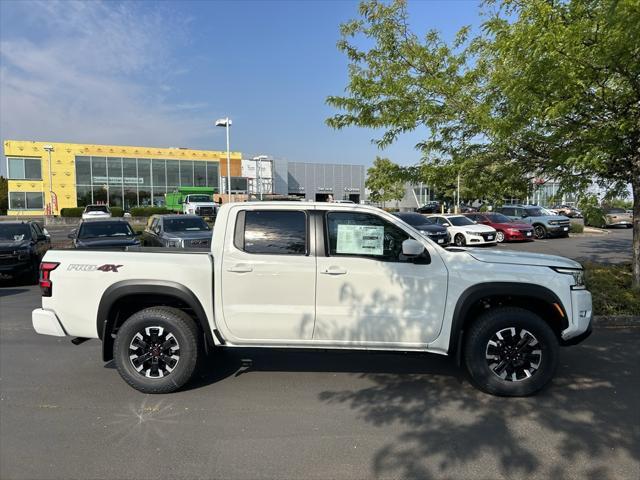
[578,277]
[553,222]
[471,233]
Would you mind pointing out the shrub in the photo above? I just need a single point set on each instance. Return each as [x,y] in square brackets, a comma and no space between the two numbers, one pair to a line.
[591,211]
[117,212]
[72,212]
[148,211]
[576,227]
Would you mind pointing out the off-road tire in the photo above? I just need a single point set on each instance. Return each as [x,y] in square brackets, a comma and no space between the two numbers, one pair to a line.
[187,338]
[483,331]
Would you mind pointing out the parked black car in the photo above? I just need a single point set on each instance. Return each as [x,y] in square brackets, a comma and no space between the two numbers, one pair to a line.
[177,231]
[427,227]
[431,207]
[22,246]
[107,233]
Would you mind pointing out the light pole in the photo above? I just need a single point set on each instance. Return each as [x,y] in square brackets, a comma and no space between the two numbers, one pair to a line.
[49,149]
[226,122]
[258,160]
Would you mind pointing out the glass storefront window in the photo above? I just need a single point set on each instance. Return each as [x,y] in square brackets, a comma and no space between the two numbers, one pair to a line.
[99,171]
[17,201]
[144,172]
[100,194]
[130,172]
[158,176]
[212,175]
[186,173]
[200,174]
[144,197]
[114,167]
[26,201]
[130,197]
[83,171]
[158,196]
[238,184]
[83,195]
[25,168]
[173,172]
[115,195]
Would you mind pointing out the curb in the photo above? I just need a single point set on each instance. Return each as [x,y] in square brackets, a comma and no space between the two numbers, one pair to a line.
[595,230]
[616,321]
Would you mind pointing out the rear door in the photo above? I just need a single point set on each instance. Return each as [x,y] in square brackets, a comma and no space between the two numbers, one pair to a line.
[368,293]
[268,276]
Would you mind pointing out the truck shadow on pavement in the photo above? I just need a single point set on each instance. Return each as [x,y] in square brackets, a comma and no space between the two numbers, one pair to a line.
[588,419]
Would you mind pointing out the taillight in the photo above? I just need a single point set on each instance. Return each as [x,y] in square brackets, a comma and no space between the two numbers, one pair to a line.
[45,277]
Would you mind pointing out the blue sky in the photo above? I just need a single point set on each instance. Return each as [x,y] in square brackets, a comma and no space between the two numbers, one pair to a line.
[146,73]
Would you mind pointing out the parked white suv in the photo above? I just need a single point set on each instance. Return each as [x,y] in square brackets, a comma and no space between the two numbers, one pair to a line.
[96,211]
[464,231]
[317,275]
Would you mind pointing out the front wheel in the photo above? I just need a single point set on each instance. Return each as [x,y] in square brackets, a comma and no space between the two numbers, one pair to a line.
[156,349]
[539,231]
[499,236]
[511,352]
[459,240]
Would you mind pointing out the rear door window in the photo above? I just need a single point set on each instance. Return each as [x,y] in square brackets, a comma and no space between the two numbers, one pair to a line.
[272,232]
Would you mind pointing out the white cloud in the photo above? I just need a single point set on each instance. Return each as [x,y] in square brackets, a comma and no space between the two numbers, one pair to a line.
[99,72]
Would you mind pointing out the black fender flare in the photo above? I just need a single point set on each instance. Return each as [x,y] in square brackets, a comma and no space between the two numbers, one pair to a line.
[132,288]
[488,289]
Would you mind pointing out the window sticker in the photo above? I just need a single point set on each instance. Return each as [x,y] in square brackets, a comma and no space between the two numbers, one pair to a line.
[360,239]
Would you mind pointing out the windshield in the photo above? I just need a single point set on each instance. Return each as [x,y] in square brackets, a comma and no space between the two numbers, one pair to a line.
[535,212]
[199,198]
[498,218]
[14,233]
[460,221]
[185,225]
[105,229]
[97,208]
[414,219]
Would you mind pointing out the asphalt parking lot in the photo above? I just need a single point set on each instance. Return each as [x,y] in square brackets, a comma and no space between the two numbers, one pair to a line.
[64,414]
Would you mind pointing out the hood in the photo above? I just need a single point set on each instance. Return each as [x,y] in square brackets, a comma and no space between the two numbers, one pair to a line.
[189,235]
[551,217]
[430,228]
[477,227]
[106,242]
[203,204]
[11,245]
[522,258]
[517,226]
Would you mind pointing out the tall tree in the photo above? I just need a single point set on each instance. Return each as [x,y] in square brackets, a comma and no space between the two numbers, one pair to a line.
[385,181]
[548,89]
[4,200]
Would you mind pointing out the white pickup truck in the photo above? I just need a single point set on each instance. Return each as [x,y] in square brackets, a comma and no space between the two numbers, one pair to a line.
[317,275]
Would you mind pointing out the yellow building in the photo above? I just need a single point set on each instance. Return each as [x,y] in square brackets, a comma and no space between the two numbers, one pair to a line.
[123,176]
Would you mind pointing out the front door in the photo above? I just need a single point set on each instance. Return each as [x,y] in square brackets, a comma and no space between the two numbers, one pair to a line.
[368,293]
[268,277]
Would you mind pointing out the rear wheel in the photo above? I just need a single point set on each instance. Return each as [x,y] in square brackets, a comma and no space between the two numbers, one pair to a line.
[499,236]
[156,350]
[539,231]
[510,352]
[459,240]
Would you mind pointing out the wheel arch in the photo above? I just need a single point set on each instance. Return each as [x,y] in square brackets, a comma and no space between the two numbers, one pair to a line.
[124,298]
[477,298]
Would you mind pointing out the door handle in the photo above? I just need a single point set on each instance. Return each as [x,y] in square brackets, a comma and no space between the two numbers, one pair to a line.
[333,270]
[240,268]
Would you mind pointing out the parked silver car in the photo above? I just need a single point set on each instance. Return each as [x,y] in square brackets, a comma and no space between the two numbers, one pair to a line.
[177,231]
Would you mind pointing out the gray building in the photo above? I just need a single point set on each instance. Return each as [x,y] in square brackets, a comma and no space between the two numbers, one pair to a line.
[320,181]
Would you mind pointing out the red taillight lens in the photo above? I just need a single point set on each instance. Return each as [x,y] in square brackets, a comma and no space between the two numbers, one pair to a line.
[45,279]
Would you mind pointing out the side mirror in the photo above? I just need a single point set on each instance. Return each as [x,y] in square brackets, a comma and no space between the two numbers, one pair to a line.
[412,248]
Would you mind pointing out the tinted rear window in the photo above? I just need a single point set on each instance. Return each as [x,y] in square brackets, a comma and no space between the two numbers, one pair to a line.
[414,219]
[105,229]
[274,232]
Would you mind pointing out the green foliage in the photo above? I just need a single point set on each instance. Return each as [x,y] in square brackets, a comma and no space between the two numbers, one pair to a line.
[385,181]
[72,212]
[611,287]
[148,211]
[576,227]
[116,211]
[592,212]
[4,196]
[548,89]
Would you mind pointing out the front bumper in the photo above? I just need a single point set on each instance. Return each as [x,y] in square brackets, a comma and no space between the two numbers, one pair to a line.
[12,266]
[45,322]
[581,316]
[511,236]
[558,229]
